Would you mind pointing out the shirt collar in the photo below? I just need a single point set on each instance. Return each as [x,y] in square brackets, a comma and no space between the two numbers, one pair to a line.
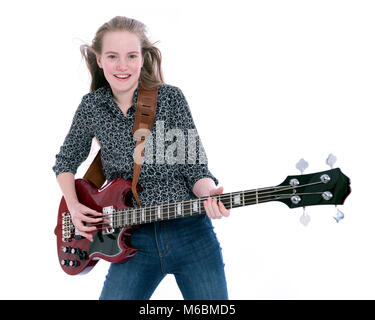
[109,96]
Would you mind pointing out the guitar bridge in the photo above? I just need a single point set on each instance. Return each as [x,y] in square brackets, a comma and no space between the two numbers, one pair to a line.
[67,226]
[108,220]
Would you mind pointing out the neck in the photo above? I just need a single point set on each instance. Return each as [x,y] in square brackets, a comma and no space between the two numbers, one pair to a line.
[124,99]
[177,209]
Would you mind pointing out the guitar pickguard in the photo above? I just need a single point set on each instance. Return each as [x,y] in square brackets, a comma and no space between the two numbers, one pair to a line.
[107,244]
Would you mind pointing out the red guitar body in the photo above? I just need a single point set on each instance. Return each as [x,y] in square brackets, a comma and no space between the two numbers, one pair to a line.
[77,255]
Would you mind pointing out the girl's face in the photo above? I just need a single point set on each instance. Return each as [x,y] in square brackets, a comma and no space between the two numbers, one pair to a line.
[121,60]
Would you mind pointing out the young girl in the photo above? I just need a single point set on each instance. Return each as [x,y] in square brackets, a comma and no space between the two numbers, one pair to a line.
[120,59]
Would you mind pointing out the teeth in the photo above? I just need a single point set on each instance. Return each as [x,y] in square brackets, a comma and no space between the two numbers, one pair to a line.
[122,76]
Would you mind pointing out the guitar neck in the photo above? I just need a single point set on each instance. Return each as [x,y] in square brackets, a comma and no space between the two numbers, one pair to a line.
[192,207]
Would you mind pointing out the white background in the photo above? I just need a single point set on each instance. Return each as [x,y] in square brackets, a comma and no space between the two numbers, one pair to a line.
[268,82]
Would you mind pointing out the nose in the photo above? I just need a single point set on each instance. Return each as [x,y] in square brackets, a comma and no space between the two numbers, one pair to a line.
[122,64]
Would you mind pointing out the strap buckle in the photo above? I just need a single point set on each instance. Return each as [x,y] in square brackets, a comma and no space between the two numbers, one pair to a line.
[141,134]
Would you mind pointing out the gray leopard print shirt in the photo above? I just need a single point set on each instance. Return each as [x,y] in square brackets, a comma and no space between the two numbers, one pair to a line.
[174,157]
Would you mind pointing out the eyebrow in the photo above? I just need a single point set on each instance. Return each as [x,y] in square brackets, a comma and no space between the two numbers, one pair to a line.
[117,52]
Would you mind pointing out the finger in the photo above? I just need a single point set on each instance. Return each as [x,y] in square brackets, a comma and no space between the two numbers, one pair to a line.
[78,222]
[208,208]
[86,229]
[215,209]
[205,204]
[225,212]
[80,219]
[87,235]
[220,190]
[217,191]
[92,212]
[90,219]
[211,209]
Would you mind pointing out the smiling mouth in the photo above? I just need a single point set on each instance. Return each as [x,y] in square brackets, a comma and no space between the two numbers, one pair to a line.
[122,76]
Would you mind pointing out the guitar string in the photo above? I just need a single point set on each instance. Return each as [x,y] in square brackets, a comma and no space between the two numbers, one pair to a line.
[137,215]
[152,210]
[138,222]
[131,212]
[164,216]
[223,197]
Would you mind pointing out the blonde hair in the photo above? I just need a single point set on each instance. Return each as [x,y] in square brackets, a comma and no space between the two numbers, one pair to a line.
[151,72]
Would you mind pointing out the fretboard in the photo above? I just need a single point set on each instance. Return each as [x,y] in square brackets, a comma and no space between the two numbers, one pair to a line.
[192,207]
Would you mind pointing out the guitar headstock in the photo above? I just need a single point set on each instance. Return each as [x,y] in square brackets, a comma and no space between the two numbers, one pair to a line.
[329,187]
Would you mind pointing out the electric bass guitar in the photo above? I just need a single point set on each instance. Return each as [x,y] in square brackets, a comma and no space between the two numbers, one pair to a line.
[111,241]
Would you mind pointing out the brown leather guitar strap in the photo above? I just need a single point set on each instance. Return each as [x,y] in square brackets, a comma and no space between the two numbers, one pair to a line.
[143,122]
[144,119]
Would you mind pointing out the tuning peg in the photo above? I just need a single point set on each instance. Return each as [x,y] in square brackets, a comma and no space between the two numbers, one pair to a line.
[331,160]
[339,216]
[302,165]
[305,218]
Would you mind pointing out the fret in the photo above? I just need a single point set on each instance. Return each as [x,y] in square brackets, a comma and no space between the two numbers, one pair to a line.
[175,209]
[191,210]
[142,215]
[178,208]
[230,198]
[168,210]
[183,204]
[114,217]
[159,212]
[134,216]
[187,207]
[117,216]
[243,198]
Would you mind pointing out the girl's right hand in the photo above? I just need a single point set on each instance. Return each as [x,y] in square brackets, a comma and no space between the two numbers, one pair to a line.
[81,216]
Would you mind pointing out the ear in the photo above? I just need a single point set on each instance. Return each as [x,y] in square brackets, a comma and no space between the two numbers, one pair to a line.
[98,61]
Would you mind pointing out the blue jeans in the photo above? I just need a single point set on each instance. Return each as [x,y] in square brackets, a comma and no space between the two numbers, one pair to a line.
[185,247]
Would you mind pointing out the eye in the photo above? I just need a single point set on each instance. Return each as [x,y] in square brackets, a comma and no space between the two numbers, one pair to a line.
[133,56]
[111,56]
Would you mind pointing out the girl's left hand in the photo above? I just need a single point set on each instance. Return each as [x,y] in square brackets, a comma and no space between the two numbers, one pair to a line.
[215,209]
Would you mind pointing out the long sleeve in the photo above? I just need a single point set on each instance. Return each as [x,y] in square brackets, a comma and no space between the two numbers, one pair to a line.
[77,143]
[195,164]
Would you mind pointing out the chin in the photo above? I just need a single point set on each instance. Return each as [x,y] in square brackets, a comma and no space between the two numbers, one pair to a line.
[122,88]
